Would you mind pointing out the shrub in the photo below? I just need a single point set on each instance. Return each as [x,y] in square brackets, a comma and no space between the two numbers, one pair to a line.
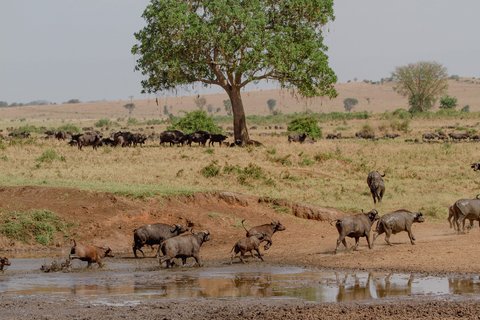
[38,225]
[103,123]
[306,124]
[132,121]
[367,130]
[448,102]
[49,156]
[211,170]
[69,128]
[466,108]
[193,121]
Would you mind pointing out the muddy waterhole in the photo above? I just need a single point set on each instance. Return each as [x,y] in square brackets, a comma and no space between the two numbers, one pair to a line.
[129,281]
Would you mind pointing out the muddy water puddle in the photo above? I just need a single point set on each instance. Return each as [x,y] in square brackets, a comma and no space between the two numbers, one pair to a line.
[135,280]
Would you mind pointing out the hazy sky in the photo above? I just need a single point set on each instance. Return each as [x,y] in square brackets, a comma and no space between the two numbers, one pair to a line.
[58,50]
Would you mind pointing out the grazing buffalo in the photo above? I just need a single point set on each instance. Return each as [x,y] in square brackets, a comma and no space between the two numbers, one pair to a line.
[4,262]
[201,137]
[391,135]
[355,226]
[267,230]
[459,136]
[153,234]
[332,136]
[475,166]
[247,245]
[172,136]
[91,254]
[428,136]
[62,135]
[397,221]
[89,139]
[183,246]
[377,185]
[216,138]
[466,209]
[108,142]
[365,135]
[297,137]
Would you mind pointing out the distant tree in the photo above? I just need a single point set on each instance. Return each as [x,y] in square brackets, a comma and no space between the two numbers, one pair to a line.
[349,103]
[3,104]
[72,101]
[233,43]
[165,110]
[209,108]
[130,107]
[200,102]
[228,107]
[448,102]
[218,110]
[271,103]
[421,83]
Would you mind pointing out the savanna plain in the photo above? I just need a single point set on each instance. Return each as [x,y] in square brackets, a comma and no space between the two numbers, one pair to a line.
[101,196]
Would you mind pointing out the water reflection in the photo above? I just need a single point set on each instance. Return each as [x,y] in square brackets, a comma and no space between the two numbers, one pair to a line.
[262,281]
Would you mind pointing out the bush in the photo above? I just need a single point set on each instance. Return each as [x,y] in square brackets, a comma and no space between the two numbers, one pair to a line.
[49,156]
[132,121]
[367,130]
[69,128]
[211,170]
[38,225]
[466,108]
[193,121]
[448,102]
[103,123]
[306,124]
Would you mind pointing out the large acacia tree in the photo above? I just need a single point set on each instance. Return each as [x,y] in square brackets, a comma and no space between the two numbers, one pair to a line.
[232,43]
[422,83]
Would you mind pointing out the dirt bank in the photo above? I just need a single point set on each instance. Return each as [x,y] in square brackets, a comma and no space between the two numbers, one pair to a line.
[107,219]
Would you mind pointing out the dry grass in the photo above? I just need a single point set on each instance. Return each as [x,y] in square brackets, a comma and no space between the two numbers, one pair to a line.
[427,177]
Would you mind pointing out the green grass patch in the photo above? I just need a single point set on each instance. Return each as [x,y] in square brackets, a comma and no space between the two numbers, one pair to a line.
[34,226]
[49,155]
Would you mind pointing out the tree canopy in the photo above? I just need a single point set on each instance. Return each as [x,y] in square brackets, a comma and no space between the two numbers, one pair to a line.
[232,43]
[422,83]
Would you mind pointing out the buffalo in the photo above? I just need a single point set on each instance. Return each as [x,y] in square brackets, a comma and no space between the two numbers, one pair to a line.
[475,166]
[397,221]
[172,136]
[89,253]
[4,262]
[201,137]
[153,234]
[466,209]
[247,245]
[89,139]
[183,246]
[377,185]
[216,138]
[299,137]
[355,226]
[267,230]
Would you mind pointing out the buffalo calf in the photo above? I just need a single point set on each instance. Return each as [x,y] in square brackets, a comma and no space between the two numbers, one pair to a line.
[89,253]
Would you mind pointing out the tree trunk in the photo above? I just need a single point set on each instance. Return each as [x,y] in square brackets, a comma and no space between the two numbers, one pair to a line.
[239,123]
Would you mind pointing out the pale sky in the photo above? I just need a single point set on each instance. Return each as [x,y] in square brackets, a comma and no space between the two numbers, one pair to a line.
[58,50]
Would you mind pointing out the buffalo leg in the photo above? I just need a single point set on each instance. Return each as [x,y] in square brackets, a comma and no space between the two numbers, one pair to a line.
[259,255]
[370,243]
[410,235]
[241,257]
[197,260]
[388,233]
[341,240]
[355,247]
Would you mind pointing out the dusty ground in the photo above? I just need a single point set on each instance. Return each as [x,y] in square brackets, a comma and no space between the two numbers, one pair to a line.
[105,219]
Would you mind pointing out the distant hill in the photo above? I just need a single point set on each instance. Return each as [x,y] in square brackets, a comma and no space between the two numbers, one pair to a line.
[371,97]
